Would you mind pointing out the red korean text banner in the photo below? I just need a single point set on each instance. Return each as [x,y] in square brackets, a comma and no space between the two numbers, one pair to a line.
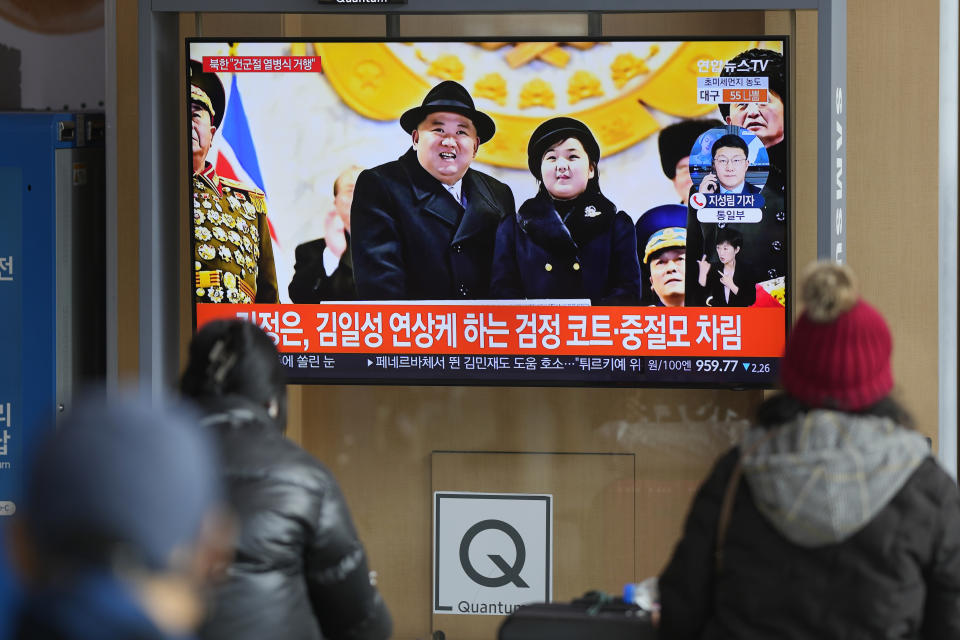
[512,330]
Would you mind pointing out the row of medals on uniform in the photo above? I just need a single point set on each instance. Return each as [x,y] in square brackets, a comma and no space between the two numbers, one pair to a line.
[226,228]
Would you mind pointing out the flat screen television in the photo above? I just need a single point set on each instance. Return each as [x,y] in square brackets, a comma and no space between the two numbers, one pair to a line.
[606,212]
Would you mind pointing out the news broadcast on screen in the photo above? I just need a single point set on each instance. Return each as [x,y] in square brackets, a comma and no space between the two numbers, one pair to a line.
[495,212]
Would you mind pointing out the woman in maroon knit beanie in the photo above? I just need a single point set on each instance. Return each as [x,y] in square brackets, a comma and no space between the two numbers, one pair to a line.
[831,519]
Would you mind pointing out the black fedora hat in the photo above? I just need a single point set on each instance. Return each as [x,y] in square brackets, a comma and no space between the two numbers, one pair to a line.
[207,90]
[554,130]
[449,96]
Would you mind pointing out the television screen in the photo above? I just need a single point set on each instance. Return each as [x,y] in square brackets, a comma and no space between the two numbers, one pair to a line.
[610,212]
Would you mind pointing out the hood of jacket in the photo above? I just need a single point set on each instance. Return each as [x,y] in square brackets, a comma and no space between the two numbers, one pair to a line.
[823,476]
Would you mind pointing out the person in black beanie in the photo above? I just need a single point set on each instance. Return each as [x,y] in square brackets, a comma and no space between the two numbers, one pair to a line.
[300,571]
[568,241]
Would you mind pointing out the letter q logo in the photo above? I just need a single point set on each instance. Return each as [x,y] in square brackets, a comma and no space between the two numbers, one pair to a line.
[509,574]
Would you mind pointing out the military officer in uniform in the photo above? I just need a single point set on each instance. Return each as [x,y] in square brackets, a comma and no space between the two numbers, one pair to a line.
[232,250]
[662,250]
[424,225]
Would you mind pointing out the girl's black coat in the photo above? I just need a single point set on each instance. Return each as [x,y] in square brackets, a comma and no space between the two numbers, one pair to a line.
[590,253]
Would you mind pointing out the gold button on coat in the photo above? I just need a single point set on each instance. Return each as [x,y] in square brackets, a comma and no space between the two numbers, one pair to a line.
[576,266]
[548,267]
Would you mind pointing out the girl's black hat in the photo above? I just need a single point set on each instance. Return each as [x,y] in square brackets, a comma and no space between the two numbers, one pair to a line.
[555,130]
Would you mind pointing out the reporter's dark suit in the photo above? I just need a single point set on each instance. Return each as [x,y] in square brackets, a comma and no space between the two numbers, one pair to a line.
[411,240]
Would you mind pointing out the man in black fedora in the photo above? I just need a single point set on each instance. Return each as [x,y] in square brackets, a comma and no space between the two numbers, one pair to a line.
[424,225]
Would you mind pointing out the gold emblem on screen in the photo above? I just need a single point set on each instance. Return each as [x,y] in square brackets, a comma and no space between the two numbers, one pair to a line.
[611,90]
[446,67]
[537,93]
[492,86]
[583,85]
[627,66]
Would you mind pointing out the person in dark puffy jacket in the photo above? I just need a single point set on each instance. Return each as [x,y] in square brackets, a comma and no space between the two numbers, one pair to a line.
[299,571]
[841,525]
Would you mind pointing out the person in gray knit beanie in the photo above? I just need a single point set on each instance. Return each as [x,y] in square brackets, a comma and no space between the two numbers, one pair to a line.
[120,526]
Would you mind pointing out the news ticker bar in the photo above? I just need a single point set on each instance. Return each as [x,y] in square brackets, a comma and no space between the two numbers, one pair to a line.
[347,367]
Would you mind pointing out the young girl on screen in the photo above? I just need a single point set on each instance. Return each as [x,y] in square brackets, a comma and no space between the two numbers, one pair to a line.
[568,241]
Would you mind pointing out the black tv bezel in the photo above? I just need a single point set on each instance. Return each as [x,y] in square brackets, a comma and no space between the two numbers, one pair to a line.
[766,384]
